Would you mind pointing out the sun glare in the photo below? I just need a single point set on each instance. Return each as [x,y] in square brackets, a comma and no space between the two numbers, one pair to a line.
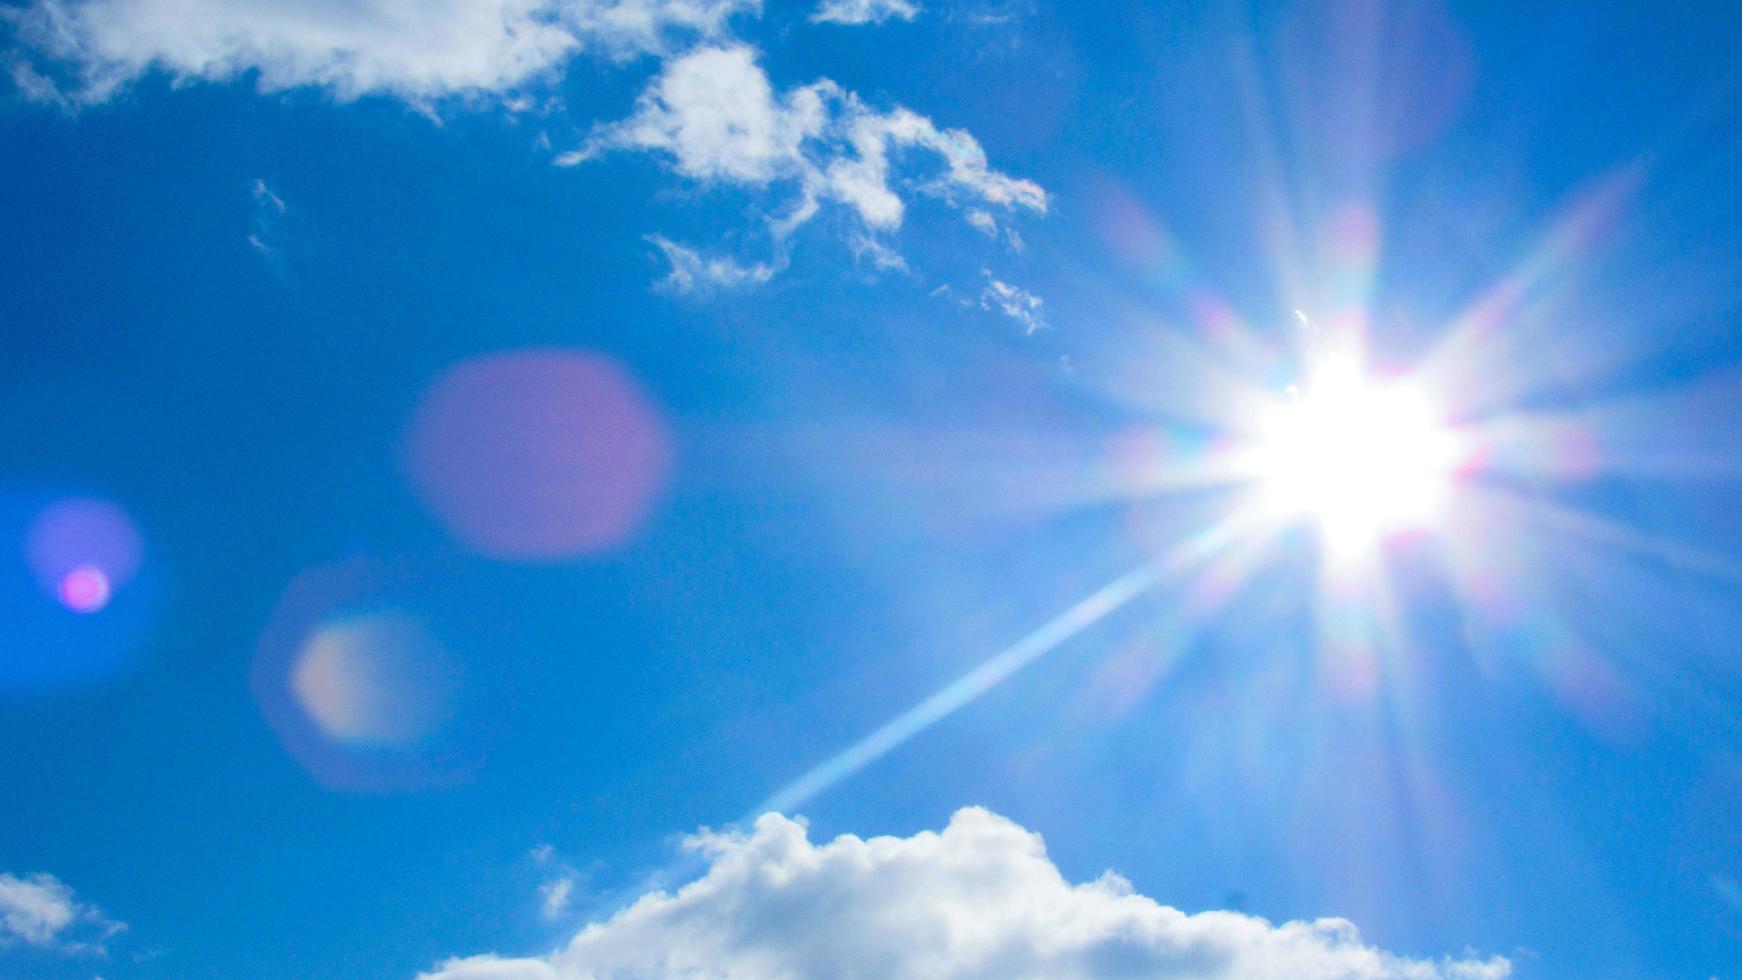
[1363,457]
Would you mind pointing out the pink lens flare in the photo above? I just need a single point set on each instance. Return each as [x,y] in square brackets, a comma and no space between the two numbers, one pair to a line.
[538,455]
[83,551]
[85,589]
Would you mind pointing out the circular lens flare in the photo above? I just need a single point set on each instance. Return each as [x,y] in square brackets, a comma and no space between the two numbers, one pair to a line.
[375,679]
[367,685]
[1364,458]
[85,589]
[539,455]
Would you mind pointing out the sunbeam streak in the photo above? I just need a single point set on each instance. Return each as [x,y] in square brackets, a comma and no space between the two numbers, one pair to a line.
[970,686]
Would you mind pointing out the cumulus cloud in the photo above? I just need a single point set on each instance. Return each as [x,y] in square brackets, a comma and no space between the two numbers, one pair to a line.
[39,911]
[414,49]
[714,116]
[863,11]
[981,899]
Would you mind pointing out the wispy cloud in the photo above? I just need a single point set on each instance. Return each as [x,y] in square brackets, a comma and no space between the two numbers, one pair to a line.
[1013,301]
[870,249]
[693,272]
[863,11]
[992,13]
[979,899]
[33,84]
[987,225]
[41,912]
[268,213]
[557,892]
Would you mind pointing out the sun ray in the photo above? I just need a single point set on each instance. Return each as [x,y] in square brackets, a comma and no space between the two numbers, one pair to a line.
[1479,357]
[969,687]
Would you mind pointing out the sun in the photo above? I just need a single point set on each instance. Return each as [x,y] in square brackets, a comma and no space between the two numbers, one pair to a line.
[1363,457]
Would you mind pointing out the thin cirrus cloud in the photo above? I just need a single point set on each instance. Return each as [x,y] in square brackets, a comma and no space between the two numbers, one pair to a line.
[693,272]
[269,212]
[980,899]
[863,11]
[41,912]
[1014,302]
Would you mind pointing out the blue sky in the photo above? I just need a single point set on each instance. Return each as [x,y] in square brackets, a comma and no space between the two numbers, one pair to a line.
[474,474]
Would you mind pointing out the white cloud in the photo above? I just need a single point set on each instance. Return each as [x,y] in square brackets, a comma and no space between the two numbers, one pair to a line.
[868,248]
[861,177]
[415,49]
[629,27]
[557,892]
[555,895]
[1012,301]
[711,112]
[33,84]
[987,225]
[979,900]
[715,114]
[38,910]
[716,117]
[863,11]
[693,272]
[269,211]
[992,13]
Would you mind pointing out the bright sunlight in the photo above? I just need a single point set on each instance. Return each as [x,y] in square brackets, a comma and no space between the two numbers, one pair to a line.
[1363,457]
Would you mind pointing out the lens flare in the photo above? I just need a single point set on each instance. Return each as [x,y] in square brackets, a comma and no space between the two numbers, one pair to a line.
[85,589]
[538,455]
[83,550]
[78,594]
[375,679]
[366,685]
